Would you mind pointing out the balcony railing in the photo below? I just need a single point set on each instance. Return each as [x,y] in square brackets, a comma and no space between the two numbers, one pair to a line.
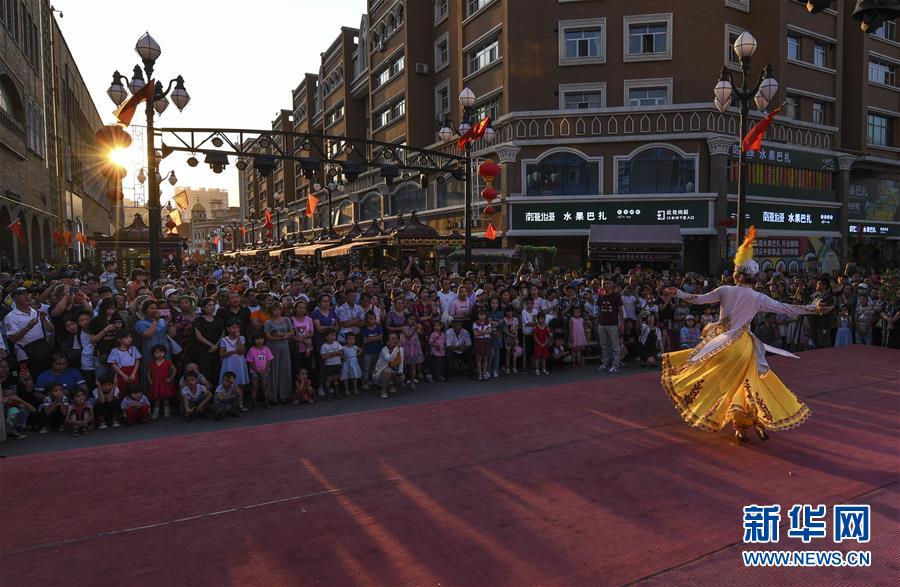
[12,126]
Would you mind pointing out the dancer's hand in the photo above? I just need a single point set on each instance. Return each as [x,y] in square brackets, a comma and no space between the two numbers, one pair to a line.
[821,308]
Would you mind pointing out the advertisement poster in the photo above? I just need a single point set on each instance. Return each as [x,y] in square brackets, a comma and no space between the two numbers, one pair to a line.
[872,198]
[788,254]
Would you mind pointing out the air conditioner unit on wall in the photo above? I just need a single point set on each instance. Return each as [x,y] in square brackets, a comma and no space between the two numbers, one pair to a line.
[421,68]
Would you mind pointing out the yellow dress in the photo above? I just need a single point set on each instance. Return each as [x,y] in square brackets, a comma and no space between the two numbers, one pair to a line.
[726,377]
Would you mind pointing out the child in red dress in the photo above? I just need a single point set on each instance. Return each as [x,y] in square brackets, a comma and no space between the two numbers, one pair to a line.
[161,375]
[541,345]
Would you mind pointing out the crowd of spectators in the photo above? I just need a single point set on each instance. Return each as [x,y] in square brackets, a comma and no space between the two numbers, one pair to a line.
[81,351]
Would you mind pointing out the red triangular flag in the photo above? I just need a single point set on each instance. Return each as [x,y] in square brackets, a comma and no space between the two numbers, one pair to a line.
[215,241]
[268,215]
[490,233]
[475,133]
[243,231]
[16,229]
[311,203]
[753,140]
[125,112]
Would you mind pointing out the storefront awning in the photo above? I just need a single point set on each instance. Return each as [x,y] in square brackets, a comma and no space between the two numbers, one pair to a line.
[277,252]
[341,250]
[635,243]
[310,250]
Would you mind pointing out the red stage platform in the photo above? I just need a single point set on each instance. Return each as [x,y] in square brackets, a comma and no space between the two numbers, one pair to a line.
[581,484]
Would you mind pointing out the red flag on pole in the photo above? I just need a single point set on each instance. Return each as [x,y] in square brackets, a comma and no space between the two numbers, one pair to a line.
[16,229]
[243,231]
[490,233]
[125,112]
[268,215]
[311,203]
[753,140]
[475,133]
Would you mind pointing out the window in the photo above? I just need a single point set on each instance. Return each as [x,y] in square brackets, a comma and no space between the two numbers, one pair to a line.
[388,114]
[473,6]
[397,66]
[450,192]
[483,56]
[370,207]
[441,10]
[880,130]
[562,174]
[648,92]
[657,170]
[34,126]
[648,37]
[818,112]
[382,77]
[441,52]
[647,96]
[583,43]
[488,108]
[882,72]
[819,52]
[583,100]
[344,214]
[334,115]
[792,107]
[442,99]
[407,198]
[731,35]
[887,31]
[793,47]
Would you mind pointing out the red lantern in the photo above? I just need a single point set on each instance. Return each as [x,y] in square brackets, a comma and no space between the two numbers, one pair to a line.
[489,210]
[488,194]
[489,170]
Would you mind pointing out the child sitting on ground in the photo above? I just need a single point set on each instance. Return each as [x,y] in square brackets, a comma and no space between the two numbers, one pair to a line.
[53,410]
[15,413]
[106,402]
[80,417]
[303,388]
[559,354]
[227,397]
[195,397]
[135,406]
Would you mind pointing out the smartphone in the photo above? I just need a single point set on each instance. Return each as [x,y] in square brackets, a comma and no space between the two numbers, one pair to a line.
[705,283]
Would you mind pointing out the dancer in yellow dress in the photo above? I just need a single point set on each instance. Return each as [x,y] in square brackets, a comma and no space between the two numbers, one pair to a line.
[726,377]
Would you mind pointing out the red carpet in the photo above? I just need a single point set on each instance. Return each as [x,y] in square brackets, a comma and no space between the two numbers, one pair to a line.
[579,484]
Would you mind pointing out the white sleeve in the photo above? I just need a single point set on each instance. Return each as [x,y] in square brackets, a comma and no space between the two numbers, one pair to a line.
[767,304]
[707,298]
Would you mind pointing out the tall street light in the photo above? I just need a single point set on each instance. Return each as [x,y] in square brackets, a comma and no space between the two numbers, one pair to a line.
[467,99]
[148,50]
[761,93]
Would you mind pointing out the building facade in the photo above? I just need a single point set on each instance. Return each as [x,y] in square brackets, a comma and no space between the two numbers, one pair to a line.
[49,167]
[603,115]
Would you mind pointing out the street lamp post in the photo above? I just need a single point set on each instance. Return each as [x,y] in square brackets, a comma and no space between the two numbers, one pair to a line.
[467,99]
[762,92]
[148,49]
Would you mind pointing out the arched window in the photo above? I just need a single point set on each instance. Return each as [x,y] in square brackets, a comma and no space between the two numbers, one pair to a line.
[344,214]
[9,99]
[392,22]
[562,174]
[370,207]
[321,217]
[400,14]
[451,192]
[657,170]
[406,198]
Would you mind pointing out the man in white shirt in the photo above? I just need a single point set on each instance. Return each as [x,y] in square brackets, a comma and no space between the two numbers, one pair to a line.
[22,323]
[459,349]
[351,316]
[446,296]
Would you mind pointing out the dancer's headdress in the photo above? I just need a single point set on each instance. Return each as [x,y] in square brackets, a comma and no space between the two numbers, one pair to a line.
[743,260]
